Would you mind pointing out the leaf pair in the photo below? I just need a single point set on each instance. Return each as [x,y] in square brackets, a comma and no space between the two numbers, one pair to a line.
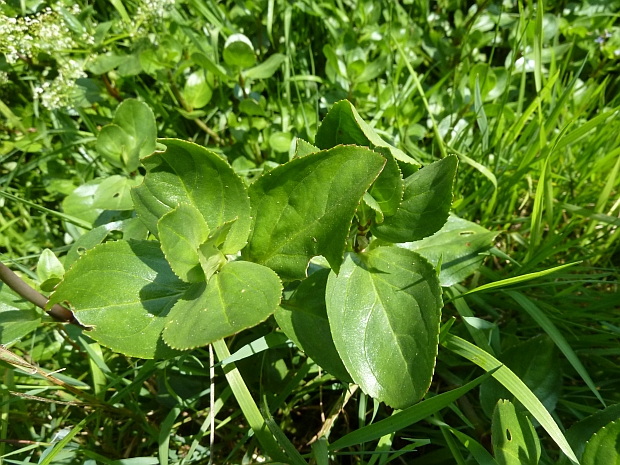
[130,137]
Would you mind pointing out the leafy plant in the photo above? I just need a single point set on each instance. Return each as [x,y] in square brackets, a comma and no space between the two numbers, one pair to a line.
[190,289]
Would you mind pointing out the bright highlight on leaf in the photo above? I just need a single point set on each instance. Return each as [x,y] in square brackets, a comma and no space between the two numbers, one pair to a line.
[384,310]
[304,208]
[240,296]
[188,173]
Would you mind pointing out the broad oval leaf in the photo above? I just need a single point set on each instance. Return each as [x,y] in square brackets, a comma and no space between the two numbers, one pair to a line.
[384,311]
[459,245]
[238,51]
[188,173]
[304,208]
[123,292]
[114,143]
[240,296]
[138,121]
[514,438]
[198,89]
[603,448]
[303,318]
[425,205]
[181,231]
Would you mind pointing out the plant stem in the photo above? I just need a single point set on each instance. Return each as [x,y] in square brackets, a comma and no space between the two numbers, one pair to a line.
[24,290]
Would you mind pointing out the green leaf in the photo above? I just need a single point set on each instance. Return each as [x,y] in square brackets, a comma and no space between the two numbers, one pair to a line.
[49,267]
[267,68]
[536,363]
[280,141]
[578,434]
[458,245]
[114,193]
[114,144]
[303,318]
[344,125]
[138,122]
[80,203]
[482,456]
[514,384]
[406,417]
[515,441]
[384,310]
[304,208]
[131,228]
[604,446]
[552,331]
[304,148]
[209,254]
[17,316]
[238,51]
[188,173]
[425,205]
[240,296]
[181,231]
[198,90]
[209,65]
[130,321]
[251,107]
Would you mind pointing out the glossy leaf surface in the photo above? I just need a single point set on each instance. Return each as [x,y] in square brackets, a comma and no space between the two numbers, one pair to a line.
[181,231]
[304,208]
[130,321]
[458,244]
[384,310]
[114,193]
[188,173]
[131,135]
[240,296]
[425,205]
[303,318]
[344,125]
[514,438]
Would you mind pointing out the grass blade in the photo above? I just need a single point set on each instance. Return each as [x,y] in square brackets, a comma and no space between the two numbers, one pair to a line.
[405,417]
[545,323]
[247,404]
[515,280]
[506,377]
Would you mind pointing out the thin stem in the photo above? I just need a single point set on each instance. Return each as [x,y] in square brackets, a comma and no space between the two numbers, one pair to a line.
[24,290]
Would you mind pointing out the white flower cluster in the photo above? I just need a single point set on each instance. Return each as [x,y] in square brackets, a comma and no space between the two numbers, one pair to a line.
[59,92]
[29,35]
[153,11]
[4,78]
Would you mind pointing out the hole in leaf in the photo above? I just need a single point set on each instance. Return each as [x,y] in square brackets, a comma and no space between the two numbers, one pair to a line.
[116,194]
[508,435]
[466,233]
[81,250]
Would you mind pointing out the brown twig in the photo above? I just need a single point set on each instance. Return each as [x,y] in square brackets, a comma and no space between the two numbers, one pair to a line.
[113,91]
[24,290]
[187,108]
